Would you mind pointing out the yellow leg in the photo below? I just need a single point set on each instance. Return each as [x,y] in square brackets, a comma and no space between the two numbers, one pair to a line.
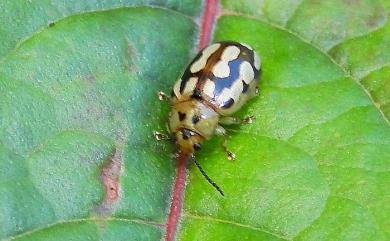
[231,120]
[220,131]
[162,96]
[159,136]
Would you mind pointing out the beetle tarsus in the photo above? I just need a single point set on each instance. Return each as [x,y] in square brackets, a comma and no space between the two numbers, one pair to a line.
[161,136]
[248,119]
[230,155]
[162,96]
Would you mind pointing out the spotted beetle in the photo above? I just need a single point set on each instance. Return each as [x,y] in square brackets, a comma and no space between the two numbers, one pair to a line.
[217,83]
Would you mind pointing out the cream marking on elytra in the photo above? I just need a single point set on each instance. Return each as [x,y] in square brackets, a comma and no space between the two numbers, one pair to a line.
[246,72]
[202,61]
[190,85]
[237,88]
[176,88]
[221,68]
[249,47]
[224,96]
[208,88]
[230,53]
[256,61]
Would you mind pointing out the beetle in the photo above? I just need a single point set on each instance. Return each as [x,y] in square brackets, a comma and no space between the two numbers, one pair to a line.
[218,82]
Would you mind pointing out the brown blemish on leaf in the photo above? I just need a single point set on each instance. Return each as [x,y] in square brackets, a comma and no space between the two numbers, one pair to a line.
[130,57]
[110,180]
[110,177]
[91,78]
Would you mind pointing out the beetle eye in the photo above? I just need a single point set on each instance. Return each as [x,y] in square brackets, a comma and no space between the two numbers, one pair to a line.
[197,146]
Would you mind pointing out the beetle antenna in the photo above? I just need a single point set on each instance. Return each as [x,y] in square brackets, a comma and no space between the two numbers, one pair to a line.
[207,177]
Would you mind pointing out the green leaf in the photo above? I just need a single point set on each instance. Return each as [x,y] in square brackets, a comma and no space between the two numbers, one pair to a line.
[75,98]
[78,106]
[21,19]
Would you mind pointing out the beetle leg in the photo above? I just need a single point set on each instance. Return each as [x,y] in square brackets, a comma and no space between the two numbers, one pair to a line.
[162,96]
[231,120]
[159,136]
[220,131]
[248,119]
[230,155]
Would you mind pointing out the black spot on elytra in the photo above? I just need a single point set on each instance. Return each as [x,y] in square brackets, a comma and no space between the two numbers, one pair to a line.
[197,94]
[183,85]
[188,74]
[182,116]
[227,104]
[245,87]
[195,119]
[257,72]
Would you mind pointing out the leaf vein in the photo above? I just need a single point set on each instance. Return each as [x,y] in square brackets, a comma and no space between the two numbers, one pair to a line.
[91,219]
[241,225]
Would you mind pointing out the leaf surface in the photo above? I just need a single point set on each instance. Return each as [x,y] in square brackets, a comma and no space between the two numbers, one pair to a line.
[78,97]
